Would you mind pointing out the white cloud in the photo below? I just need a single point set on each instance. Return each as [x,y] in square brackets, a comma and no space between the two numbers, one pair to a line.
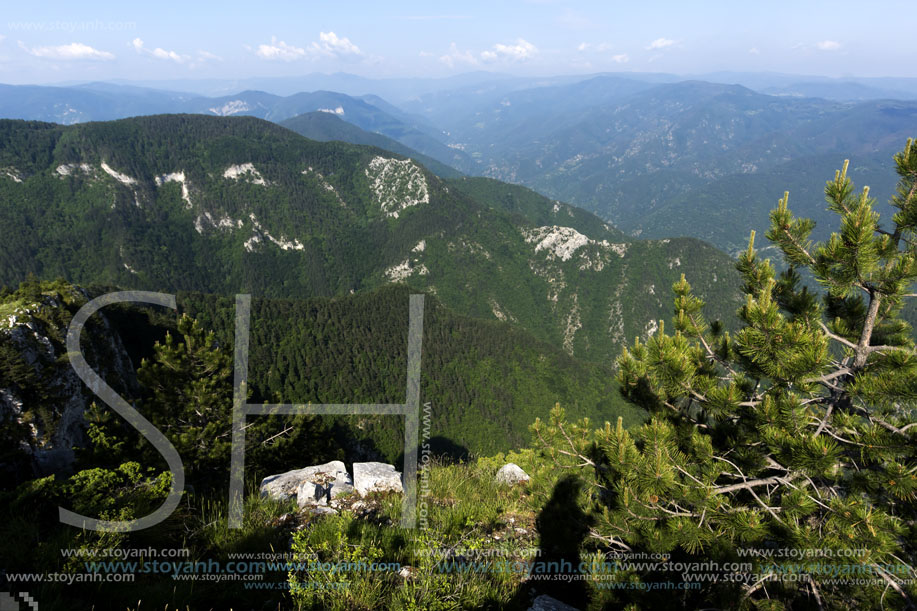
[588,46]
[163,54]
[330,44]
[754,51]
[519,51]
[660,43]
[828,45]
[202,58]
[278,49]
[454,56]
[618,58]
[73,51]
[2,37]
[158,52]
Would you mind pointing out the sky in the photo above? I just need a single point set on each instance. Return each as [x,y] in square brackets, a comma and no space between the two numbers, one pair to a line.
[50,41]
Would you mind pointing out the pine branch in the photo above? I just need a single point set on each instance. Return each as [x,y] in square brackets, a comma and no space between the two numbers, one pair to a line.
[814,487]
[798,246]
[828,377]
[576,453]
[769,509]
[586,462]
[824,421]
[894,585]
[610,540]
[886,425]
[754,483]
[689,475]
[904,349]
[815,592]
[836,338]
[862,347]
[711,354]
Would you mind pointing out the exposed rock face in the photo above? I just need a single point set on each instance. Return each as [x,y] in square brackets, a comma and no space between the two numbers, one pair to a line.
[46,398]
[319,484]
[510,474]
[397,184]
[323,486]
[376,477]
[288,485]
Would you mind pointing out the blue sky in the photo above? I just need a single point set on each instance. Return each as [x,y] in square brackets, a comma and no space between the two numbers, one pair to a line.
[54,41]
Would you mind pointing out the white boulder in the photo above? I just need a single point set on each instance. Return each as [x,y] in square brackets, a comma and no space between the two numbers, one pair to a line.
[510,474]
[317,489]
[376,477]
[287,485]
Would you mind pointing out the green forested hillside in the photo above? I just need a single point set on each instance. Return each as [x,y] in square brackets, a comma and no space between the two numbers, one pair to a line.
[228,205]
[326,126]
[484,381]
[534,207]
[722,198]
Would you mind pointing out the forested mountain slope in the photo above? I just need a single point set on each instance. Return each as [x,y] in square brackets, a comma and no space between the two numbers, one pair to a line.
[227,205]
[326,126]
[484,381]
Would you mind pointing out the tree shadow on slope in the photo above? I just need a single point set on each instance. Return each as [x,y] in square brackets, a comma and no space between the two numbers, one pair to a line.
[562,528]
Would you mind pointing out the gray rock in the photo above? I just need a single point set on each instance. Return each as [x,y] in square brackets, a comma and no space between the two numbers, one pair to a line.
[317,489]
[375,477]
[48,443]
[287,485]
[546,603]
[318,510]
[510,474]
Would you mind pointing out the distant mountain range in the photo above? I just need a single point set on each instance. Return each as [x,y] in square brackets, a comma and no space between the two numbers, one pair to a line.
[325,127]
[103,102]
[662,160]
[400,90]
[653,154]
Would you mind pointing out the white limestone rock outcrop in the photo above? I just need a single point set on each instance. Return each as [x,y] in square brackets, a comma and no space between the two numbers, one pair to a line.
[376,477]
[317,489]
[510,474]
[246,172]
[397,184]
[287,485]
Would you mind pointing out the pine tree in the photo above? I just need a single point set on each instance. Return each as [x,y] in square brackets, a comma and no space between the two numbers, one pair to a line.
[797,433]
[190,387]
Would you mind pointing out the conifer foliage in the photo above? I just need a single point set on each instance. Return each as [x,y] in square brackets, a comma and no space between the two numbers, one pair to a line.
[796,433]
[191,384]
